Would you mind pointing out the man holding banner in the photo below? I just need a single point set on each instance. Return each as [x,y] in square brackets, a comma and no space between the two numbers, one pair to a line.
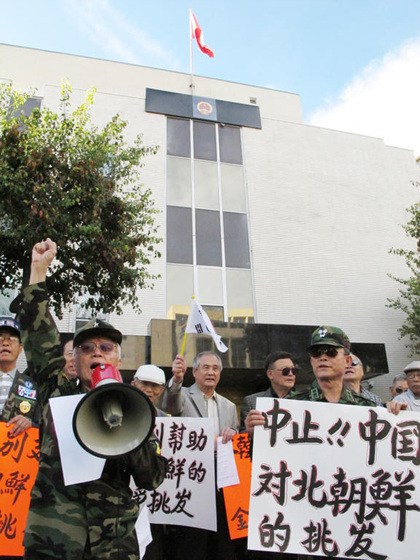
[201,400]
[88,520]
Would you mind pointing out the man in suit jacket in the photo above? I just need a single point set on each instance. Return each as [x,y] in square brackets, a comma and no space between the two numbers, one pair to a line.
[281,371]
[201,400]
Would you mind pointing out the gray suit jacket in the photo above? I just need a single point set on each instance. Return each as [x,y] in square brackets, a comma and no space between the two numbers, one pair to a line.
[189,402]
[250,402]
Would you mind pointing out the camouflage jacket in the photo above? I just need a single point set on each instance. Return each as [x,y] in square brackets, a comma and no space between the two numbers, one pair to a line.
[22,400]
[314,393]
[92,520]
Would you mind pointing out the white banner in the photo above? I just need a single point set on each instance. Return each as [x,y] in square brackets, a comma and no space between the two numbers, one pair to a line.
[187,495]
[335,480]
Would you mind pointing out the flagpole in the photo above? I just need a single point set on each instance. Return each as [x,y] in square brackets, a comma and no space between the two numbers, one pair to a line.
[185,335]
[191,59]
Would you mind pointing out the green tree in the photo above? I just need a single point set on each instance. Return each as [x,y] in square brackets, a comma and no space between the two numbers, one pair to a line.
[63,178]
[409,294]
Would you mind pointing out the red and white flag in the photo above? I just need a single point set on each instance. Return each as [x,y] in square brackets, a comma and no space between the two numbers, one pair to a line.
[197,34]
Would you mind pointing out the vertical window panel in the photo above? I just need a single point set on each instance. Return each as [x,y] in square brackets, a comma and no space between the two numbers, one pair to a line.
[208,238]
[178,138]
[179,243]
[179,289]
[230,144]
[240,299]
[233,188]
[205,141]
[236,240]
[210,286]
[206,187]
[178,181]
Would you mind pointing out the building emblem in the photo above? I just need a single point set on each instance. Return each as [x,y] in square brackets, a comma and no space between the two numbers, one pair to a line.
[204,108]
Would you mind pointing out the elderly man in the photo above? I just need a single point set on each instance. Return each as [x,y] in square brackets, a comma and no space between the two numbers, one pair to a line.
[281,371]
[201,400]
[69,370]
[353,379]
[330,356]
[91,520]
[399,385]
[411,398]
[151,380]
[17,391]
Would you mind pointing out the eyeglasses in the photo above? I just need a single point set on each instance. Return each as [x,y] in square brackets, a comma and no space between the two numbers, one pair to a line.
[11,339]
[399,390]
[355,363]
[413,375]
[317,351]
[90,347]
[285,371]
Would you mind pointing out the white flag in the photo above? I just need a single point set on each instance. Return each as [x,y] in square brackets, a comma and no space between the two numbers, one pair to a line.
[199,323]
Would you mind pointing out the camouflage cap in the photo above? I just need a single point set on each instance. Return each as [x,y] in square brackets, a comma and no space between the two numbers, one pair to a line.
[330,336]
[10,323]
[96,328]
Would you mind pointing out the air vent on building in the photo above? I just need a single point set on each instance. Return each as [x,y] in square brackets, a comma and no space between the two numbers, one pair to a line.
[253,100]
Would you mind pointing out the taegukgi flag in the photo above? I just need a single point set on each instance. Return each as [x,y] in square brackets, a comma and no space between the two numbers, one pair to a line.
[199,323]
[197,34]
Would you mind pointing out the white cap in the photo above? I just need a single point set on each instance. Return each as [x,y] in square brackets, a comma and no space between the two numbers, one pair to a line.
[412,366]
[150,373]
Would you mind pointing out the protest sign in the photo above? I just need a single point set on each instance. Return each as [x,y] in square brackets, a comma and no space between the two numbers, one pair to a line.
[335,480]
[237,496]
[18,468]
[187,495]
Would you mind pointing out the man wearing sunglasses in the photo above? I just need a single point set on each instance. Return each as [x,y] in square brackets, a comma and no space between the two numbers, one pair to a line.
[91,520]
[353,379]
[399,385]
[281,371]
[411,397]
[330,356]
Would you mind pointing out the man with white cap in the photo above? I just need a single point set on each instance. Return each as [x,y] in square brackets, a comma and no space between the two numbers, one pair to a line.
[151,380]
[411,397]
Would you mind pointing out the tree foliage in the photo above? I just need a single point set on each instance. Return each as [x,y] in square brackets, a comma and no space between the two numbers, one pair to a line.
[63,178]
[409,294]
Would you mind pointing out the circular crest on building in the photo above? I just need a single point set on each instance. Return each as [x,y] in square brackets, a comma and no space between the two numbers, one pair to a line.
[204,108]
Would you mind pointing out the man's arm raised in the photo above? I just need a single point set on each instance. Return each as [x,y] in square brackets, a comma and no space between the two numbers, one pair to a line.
[43,254]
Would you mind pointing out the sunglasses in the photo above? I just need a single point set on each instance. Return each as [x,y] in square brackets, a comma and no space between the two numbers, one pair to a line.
[285,371]
[90,347]
[318,351]
[355,363]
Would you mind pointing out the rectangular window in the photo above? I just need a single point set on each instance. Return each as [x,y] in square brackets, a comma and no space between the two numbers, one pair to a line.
[209,247]
[236,240]
[179,246]
[205,141]
[178,138]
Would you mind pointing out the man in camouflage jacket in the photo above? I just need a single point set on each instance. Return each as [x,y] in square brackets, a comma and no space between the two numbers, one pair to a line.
[330,355]
[92,520]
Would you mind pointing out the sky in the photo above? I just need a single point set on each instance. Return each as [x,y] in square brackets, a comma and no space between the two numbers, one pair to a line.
[354,63]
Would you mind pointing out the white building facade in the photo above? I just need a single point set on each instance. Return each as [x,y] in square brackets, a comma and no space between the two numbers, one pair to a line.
[268,221]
